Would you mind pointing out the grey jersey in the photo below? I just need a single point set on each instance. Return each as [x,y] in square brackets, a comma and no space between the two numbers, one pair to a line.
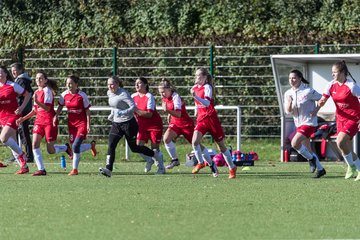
[122,106]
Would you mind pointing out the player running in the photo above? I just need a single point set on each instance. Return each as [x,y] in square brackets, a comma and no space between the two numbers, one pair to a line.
[10,111]
[77,104]
[150,122]
[299,101]
[345,93]
[44,124]
[207,121]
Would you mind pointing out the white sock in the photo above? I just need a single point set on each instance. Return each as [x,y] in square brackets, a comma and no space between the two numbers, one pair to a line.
[38,159]
[84,147]
[12,144]
[60,148]
[317,162]
[15,156]
[198,154]
[357,164]
[171,149]
[305,152]
[76,160]
[349,159]
[228,159]
[206,156]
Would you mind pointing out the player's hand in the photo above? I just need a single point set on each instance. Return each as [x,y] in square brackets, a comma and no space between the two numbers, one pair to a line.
[18,111]
[19,121]
[321,102]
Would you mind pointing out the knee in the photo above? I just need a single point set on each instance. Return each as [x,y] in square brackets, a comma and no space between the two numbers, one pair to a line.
[340,144]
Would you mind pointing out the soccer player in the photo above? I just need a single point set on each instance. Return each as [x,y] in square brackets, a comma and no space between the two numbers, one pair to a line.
[299,101]
[345,93]
[207,121]
[44,124]
[149,121]
[180,123]
[123,124]
[77,104]
[10,111]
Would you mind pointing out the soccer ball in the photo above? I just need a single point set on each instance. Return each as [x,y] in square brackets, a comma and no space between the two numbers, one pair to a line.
[219,160]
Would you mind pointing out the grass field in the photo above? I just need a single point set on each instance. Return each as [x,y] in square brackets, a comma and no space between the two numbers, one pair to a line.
[272,200]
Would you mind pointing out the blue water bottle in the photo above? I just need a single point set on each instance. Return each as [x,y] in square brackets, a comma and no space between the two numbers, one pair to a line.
[63,162]
[234,157]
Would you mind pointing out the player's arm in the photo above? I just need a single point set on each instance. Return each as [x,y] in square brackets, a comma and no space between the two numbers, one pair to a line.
[26,117]
[27,97]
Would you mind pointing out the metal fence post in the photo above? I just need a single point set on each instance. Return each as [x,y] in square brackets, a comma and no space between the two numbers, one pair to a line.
[212,60]
[114,61]
[20,55]
[317,48]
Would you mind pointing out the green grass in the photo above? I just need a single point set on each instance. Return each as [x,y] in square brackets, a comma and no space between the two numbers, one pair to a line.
[271,201]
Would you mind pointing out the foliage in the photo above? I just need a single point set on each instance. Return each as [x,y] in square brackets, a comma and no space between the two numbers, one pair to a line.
[108,23]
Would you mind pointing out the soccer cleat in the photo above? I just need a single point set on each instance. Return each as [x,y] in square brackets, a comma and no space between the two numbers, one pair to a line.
[2,165]
[160,171]
[312,163]
[22,160]
[232,172]
[148,166]
[23,170]
[350,172]
[173,164]
[214,170]
[69,150]
[198,167]
[319,173]
[39,173]
[93,148]
[104,171]
[73,172]
[358,177]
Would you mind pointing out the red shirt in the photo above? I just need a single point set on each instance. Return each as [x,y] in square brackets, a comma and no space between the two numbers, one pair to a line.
[76,104]
[147,103]
[175,103]
[205,92]
[346,99]
[45,96]
[8,101]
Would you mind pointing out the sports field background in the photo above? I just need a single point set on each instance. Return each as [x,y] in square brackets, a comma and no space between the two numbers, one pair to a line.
[272,200]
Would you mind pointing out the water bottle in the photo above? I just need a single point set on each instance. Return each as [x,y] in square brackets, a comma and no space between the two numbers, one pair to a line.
[234,156]
[63,162]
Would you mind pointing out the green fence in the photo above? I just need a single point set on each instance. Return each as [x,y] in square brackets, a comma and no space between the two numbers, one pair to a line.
[242,76]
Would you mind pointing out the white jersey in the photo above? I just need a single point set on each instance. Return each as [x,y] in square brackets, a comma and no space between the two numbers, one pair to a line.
[303,104]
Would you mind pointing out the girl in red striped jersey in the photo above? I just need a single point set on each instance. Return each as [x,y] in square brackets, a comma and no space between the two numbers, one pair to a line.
[45,124]
[207,120]
[149,121]
[345,94]
[78,108]
[10,111]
